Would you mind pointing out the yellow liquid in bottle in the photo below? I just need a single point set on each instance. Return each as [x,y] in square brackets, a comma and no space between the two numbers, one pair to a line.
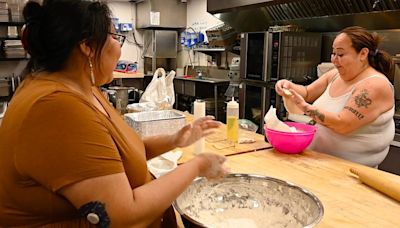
[232,128]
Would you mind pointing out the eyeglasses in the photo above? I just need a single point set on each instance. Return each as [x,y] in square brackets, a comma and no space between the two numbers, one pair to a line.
[121,38]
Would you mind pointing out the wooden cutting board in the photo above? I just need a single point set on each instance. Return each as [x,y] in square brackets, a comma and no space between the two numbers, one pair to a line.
[217,143]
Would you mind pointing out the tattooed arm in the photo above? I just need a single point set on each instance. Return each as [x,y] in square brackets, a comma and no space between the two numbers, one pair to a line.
[370,99]
[310,92]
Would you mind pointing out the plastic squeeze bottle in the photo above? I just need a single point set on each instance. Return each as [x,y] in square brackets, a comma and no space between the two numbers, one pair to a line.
[232,116]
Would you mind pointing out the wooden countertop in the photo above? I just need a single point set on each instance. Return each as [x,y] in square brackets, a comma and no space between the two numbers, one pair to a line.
[347,202]
[216,143]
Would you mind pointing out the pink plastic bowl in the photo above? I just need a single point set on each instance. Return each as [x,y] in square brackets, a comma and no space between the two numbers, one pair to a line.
[291,142]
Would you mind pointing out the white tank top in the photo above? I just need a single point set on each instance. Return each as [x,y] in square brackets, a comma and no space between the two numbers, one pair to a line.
[367,145]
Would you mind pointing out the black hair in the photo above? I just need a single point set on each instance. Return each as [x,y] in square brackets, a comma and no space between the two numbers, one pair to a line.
[380,60]
[56,27]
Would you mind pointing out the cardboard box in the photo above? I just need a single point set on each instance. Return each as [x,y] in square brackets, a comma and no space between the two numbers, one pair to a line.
[221,36]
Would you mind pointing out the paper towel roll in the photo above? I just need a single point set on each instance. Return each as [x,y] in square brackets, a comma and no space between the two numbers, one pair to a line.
[199,110]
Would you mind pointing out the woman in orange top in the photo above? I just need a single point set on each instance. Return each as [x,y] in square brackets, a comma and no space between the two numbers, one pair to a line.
[66,156]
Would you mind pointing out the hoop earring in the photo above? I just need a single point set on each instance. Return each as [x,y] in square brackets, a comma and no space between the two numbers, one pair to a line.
[91,73]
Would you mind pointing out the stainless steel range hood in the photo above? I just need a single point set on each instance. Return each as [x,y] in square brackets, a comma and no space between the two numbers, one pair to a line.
[160,14]
[311,15]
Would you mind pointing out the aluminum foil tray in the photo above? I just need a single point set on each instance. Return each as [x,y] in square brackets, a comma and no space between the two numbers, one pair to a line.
[155,122]
[248,200]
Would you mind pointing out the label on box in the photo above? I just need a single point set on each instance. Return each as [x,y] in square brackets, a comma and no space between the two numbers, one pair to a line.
[154,18]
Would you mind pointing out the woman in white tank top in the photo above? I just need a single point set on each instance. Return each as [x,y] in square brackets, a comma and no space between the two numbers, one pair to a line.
[353,104]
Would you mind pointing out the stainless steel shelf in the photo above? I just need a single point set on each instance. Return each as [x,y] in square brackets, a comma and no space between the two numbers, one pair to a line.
[12,23]
[9,38]
[209,49]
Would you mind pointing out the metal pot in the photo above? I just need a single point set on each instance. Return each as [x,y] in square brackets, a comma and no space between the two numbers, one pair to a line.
[121,97]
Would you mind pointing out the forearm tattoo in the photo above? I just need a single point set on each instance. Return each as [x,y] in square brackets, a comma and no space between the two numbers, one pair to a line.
[355,112]
[362,99]
[315,114]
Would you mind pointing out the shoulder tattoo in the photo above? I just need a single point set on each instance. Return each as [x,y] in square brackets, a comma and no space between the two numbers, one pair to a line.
[362,99]
[315,114]
[355,112]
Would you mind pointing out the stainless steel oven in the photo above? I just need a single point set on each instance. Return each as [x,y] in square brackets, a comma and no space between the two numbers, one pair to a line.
[392,160]
[255,98]
[396,83]
[269,56]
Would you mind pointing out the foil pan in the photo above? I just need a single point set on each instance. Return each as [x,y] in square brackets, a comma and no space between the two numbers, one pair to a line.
[245,200]
[155,122]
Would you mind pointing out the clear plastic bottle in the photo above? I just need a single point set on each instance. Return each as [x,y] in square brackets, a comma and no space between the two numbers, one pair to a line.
[232,116]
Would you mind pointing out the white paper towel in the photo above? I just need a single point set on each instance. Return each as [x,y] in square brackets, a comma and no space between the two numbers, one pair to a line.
[290,106]
[164,163]
[272,122]
[199,110]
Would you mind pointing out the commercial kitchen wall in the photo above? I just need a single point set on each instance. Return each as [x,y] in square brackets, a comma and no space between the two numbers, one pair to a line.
[125,12]
[199,20]
[197,17]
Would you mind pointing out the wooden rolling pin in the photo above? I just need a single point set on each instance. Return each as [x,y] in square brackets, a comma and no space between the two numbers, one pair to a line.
[384,182]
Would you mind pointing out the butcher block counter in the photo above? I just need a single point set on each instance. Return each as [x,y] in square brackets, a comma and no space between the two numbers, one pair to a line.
[217,143]
[347,202]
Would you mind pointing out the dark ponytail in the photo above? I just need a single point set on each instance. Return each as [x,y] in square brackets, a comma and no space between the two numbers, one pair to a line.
[32,13]
[56,27]
[382,62]
[378,59]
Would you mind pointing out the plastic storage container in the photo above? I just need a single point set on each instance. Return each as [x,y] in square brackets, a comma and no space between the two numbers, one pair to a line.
[155,122]
[232,116]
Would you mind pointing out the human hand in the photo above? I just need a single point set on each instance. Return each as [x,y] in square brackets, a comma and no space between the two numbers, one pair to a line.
[211,166]
[193,132]
[298,100]
[282,84]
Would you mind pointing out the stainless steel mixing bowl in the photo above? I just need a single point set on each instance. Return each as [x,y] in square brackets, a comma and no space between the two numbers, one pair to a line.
[245,200]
